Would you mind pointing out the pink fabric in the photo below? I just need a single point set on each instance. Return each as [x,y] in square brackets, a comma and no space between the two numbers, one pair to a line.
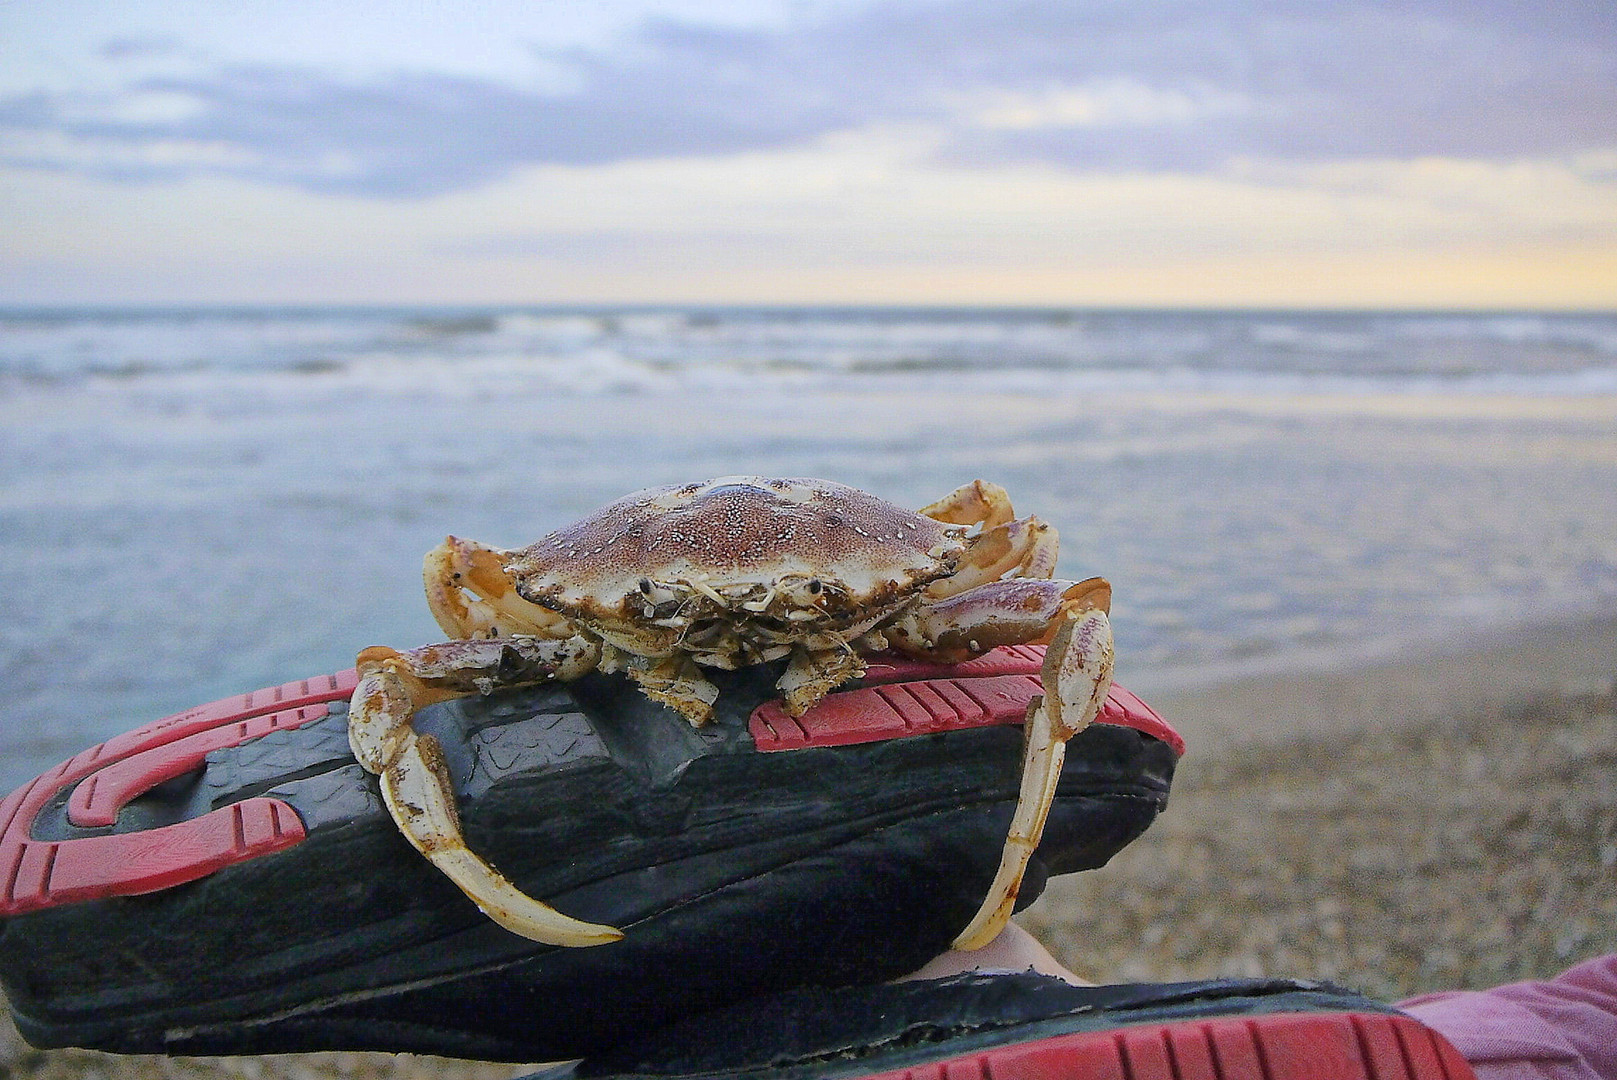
[1563,1028]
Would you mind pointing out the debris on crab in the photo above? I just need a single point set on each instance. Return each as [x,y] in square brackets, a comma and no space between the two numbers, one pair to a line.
[728,573]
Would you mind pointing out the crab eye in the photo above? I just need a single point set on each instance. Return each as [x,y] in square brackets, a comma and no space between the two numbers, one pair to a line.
[814,586]
[645,585]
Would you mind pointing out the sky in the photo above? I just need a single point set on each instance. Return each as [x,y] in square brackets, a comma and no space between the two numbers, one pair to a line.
[1308,153]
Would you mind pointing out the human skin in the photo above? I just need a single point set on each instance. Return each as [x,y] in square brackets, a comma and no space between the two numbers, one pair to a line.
[1014,950]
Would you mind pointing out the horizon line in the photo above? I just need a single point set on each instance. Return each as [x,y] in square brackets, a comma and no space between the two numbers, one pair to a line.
[8,310]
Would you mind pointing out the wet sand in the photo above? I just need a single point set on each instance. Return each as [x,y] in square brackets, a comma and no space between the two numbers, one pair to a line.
[1443,822]
[1216,711]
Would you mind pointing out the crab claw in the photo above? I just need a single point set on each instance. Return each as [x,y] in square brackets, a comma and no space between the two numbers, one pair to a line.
[1077,674]
[415,781]
[416,789]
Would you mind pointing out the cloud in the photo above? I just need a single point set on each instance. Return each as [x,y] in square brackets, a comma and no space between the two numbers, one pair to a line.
[1077,84]
[141,48]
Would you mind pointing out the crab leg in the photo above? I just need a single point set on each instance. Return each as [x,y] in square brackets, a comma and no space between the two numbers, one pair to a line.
[1017,611]
[812,674]
[415,782]
[1077,674]
[676,682]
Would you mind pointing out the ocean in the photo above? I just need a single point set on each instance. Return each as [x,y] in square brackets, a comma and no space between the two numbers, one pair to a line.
[194,503]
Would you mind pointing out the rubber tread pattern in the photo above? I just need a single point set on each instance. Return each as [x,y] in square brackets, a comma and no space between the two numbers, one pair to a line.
[1028,1027]
[897,710]
[98,798]
[1005,660]
[900,697]
[45,874]
[41,874]
[1328,1046]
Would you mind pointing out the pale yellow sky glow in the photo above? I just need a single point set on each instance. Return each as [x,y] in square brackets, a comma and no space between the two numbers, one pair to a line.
[855,219]
[1083,189]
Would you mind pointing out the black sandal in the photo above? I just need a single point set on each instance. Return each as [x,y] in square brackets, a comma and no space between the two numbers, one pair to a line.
[1033,1027]
[226,881]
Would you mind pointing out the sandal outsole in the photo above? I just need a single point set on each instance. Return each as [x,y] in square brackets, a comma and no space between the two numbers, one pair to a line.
[1029,1027]
[720,857]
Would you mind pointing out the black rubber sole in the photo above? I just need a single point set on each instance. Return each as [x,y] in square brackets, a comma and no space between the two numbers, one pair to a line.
[734,871]
[1029,1027]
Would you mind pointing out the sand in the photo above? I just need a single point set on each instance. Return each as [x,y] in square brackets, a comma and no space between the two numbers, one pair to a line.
[1459,685]
[1432,822]
[1458,850]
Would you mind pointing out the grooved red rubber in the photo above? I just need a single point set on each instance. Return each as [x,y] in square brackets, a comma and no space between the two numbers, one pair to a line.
[43,873]
[47,873]
[905,697]
[892,711]
[1279,1046]
[99,796]
[1005,660]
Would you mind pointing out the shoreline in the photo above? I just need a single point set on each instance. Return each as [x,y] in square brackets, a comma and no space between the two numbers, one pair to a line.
[1505,670]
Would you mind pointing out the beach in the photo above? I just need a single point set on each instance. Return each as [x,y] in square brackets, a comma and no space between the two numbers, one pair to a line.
[1366,563]
[1446,822]
[1435,824]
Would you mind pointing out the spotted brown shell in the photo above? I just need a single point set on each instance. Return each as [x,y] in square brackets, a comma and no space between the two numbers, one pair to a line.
[734,530]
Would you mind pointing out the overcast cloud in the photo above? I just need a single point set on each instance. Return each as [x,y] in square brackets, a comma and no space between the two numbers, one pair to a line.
[1079,84]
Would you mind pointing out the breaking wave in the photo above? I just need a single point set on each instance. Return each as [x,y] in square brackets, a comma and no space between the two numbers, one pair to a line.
[633,350]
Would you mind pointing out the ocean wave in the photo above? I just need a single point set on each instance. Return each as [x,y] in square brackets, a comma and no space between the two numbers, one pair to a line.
[634,350]
[1594,332]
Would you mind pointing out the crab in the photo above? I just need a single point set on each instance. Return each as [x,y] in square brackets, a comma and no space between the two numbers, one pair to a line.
[726,573]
